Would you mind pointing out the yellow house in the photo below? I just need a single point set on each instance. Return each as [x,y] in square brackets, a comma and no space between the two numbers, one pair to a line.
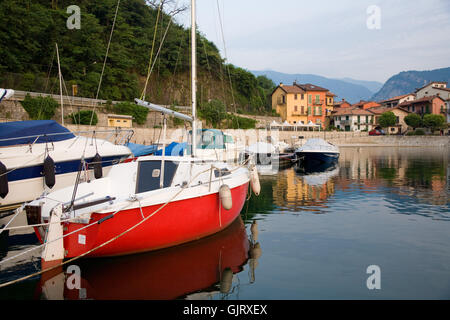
[119,120]
[290,102]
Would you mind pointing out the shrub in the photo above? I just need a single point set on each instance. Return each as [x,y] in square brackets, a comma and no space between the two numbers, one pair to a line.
[213,112]
[419,132]
[84,117]
[139,113]
[40,108]
[236,122]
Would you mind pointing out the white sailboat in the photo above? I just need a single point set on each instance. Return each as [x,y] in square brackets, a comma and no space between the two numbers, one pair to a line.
[150,203]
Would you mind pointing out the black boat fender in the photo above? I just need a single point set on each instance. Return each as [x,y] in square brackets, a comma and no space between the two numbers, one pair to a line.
[97,163]
[49,172]
[4,189]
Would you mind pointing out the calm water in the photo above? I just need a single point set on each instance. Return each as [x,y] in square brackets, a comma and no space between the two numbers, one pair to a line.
[307,236]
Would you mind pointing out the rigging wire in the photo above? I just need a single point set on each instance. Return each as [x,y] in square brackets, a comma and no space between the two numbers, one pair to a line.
[151,53]
[106,56]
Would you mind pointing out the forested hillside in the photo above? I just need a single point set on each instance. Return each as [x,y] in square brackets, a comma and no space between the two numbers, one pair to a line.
[30,29]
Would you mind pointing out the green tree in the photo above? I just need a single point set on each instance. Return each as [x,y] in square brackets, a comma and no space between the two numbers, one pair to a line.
[40,108]
[413,120]
[213,112]
[387,119]
[434,121]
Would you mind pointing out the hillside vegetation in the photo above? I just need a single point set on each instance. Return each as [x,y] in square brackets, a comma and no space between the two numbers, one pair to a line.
[30,29]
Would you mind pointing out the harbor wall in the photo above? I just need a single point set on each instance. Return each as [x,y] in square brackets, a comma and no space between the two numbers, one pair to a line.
[292,138]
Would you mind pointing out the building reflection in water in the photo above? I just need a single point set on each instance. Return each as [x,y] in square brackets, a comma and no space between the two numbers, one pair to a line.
[418,173]
[305,189]
[202,269]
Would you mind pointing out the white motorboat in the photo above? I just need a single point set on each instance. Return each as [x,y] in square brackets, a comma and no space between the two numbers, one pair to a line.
[39,156]
[317,150]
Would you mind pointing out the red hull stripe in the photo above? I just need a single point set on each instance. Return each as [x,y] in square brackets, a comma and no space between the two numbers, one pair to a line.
[179,222]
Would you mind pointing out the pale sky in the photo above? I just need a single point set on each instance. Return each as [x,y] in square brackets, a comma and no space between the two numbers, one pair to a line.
[329,37]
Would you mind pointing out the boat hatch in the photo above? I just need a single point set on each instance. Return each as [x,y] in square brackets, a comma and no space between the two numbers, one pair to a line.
[149,175]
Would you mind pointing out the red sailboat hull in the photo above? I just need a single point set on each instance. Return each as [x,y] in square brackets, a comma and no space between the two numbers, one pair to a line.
[166,274]
[178,222]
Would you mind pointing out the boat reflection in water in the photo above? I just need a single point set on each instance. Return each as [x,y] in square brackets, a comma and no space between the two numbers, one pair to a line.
[203,267]
[317,174]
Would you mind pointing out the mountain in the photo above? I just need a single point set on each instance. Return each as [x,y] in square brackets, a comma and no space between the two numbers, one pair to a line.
[351,90]
[373,86]
[408,81]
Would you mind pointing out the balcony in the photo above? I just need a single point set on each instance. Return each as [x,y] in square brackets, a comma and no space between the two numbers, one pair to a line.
[345,122]
[317,102]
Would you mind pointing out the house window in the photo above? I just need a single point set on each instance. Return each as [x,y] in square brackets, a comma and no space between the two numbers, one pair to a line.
[317,98]
[346,117]
[303,96]
[309,111]
[309,98]
[295,96]
[303,110]
[367,119]
[397,119]
[295,108]
[284,99]
[359,120]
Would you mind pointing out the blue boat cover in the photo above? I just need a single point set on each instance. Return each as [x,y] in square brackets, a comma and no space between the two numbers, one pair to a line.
[141,149]
[25,132]
[173,149]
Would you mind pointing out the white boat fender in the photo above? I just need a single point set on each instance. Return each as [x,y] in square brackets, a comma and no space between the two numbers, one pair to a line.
[4,189]
[225,197]
[49,172]
[226,281]
[254,180]
[254,230]
[97,163]
[255,251]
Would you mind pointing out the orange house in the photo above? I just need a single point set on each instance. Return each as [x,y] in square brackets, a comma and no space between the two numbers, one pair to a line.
[316,102]
[366,105]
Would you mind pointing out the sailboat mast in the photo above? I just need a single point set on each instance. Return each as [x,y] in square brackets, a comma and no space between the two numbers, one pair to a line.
[194,78]
[60,86]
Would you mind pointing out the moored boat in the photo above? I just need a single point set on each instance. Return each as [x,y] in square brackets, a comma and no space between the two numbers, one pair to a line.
[317,150]
[149,203]
[38,156]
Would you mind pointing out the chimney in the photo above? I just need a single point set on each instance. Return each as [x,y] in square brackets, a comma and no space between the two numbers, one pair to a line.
[281,84]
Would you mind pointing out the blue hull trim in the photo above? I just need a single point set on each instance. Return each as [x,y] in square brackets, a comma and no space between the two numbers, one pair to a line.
[320,157]
[60,168]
